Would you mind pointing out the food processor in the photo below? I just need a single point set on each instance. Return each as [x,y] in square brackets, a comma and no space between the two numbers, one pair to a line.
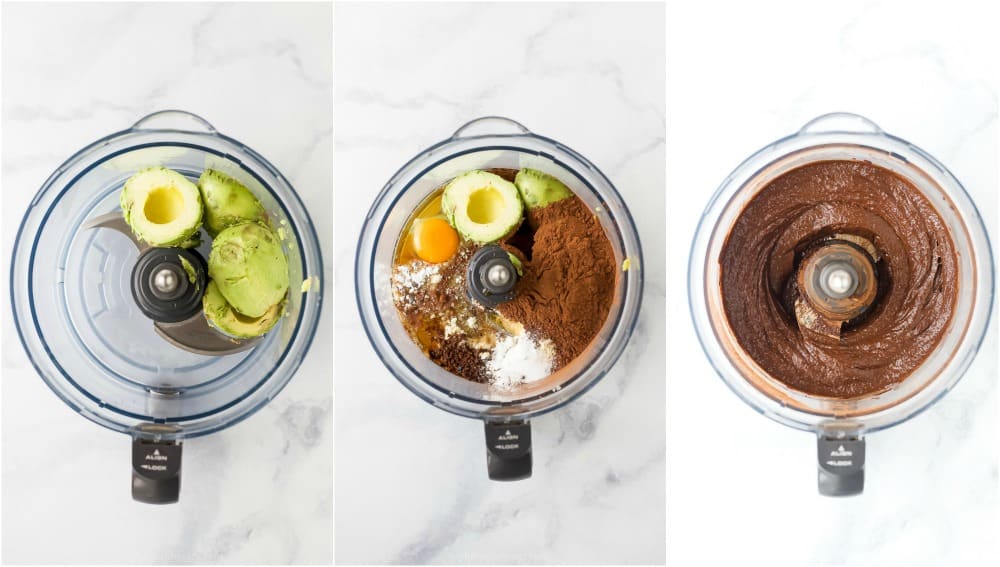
[485,143]
[114,326]
[838,275]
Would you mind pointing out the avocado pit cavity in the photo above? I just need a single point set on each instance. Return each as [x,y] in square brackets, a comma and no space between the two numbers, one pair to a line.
[484,206]
[163,205]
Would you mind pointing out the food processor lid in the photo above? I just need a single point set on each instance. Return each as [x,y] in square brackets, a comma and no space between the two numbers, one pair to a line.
[844,136]
[114,326]
[484,143]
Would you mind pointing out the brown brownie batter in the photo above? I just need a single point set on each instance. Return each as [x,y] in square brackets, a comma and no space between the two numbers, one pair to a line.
[914,262]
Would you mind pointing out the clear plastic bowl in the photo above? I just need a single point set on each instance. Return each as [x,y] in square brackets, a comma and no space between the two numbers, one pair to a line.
[393,207]
[842,136]
[72,300]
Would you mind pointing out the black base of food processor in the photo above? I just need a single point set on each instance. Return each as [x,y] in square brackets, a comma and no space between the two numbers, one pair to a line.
[156,465]
[841,465]
[508,450]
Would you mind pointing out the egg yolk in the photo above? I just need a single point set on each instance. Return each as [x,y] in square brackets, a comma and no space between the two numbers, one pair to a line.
[434,240]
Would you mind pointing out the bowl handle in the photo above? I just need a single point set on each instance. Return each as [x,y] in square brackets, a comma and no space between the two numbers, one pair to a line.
[841,460]
[174,120]
[840,122]
[508,449]
[507,123]
[156,464]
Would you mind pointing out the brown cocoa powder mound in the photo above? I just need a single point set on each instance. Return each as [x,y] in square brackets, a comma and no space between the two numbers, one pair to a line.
[567,288]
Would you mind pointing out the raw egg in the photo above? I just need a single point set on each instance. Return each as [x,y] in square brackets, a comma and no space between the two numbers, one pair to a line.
[434,240]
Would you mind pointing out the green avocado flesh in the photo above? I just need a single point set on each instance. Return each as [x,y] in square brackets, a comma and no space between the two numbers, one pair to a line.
[539,189]
[249,268]
[483,207]
[192,274]
[517,263]
[221,315]
[227,202]
[162,207]
[193,241]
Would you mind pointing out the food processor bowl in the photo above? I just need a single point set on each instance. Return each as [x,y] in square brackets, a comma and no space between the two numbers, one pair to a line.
[81,326]
[502,411]
[841,424]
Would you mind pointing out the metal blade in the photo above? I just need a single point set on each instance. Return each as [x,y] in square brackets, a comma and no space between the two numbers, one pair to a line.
[192,334]
[116,222]
[195,335]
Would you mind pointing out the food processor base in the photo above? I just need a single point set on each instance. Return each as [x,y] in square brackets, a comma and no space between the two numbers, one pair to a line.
[841,465]
[508,450]
[156,466]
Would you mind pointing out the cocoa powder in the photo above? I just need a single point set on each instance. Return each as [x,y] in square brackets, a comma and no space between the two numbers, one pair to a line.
[568,284]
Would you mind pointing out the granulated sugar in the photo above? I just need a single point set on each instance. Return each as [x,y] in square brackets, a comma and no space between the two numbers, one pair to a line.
[517,359]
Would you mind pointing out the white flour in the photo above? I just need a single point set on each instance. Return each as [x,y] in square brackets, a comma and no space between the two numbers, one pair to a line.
[518,359]
[409,278]
[452,328]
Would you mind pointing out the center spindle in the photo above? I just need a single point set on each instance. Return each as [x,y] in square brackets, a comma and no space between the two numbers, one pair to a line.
[491,276]
[837,281]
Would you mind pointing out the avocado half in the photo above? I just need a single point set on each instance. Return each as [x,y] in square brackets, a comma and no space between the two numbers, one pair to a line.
[227,202]
[249,268]
[482,206]
[221,316]
[162,207]
[539,189]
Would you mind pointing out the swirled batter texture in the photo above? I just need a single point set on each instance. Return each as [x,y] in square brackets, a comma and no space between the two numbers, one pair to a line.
[917,273]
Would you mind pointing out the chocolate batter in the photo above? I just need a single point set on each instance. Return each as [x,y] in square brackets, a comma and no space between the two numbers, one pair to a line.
[916,271]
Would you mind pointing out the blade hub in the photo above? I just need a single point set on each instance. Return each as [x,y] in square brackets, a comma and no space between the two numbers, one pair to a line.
[168,283]
[491,276]
[837,282]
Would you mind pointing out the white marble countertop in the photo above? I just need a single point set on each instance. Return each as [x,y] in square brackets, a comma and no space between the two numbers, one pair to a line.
[259,492]
[411,480]
[741,488]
